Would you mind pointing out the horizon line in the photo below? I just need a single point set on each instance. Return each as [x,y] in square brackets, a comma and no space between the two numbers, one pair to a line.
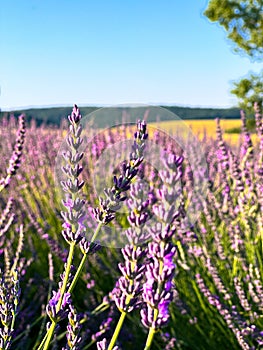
[120,105]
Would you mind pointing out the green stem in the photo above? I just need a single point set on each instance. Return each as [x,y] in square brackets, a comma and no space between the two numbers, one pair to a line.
[49,336]
[62,292]
[123,313]
[76,277]
[121,319]
[117,330]
[43,341]
[41,326]
[83,260]
[96,232]
[47,339]
[149,340]
[100,308]
[67,272]
[13,319]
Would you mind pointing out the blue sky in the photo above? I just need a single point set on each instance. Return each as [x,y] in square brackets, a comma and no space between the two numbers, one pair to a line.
[111,52]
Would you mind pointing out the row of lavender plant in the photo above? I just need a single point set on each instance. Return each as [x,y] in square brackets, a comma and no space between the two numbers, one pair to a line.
[198,288]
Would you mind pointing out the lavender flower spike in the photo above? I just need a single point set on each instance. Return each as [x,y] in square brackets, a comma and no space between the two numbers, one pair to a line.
[157,290]
[9,298]
[15,160]
[73,217]
[163,277]
[73,329]
[7,217]
[128,287]
[105,213]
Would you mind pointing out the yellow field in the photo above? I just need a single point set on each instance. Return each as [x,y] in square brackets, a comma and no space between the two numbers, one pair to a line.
[199,127]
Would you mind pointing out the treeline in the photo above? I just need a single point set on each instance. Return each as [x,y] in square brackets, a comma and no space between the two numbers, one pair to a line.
[116,115]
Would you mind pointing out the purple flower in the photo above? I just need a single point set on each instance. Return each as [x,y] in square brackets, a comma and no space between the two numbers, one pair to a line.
[9,299]
[163,309]
[51,308]
[54,300]
[112,202]
[157,289]
[73,329]
[15,160]
[74,228]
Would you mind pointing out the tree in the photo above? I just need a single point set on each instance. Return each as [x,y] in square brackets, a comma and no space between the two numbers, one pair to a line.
[249,90]
[243,21]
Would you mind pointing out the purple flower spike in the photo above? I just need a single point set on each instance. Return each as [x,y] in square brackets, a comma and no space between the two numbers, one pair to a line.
[112,202]
[157,289]
[74,229]
[15,160]
[51,308]
[129,286]
[73,329]
[9,297]
[75,116]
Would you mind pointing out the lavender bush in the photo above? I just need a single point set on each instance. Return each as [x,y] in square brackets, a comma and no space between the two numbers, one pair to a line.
[13,264]
[175,284]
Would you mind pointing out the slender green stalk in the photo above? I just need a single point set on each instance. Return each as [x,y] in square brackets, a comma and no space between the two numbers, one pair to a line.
[117,330]
[96,232]
[43,342]
[13,319]
[42,325]
[150,337]
[83,260]
[47,339]
[67,272]
[76,277]
[121,320]
[62,292]
[100,308]
[49,335]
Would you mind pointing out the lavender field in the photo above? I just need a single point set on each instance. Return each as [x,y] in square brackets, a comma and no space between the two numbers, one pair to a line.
[168,255]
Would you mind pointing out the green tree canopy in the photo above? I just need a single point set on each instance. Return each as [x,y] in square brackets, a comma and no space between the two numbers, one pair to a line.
[249,90]
[243,20]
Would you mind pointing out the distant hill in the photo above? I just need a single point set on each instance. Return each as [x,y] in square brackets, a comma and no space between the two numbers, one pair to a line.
[108,116]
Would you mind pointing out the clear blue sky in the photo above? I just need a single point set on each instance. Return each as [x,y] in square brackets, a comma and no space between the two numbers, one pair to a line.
[110,52]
